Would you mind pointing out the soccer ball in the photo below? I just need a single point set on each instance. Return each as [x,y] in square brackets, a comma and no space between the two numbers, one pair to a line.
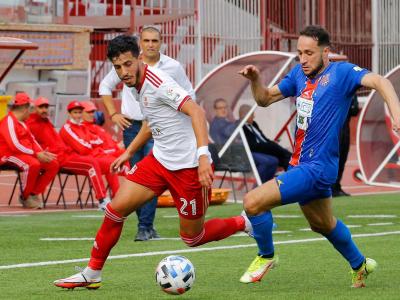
[175,274]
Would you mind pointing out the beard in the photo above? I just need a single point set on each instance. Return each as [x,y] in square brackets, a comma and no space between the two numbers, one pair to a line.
[314,72]
[133,84]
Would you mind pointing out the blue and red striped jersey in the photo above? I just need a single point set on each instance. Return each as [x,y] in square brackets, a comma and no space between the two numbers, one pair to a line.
[322,105]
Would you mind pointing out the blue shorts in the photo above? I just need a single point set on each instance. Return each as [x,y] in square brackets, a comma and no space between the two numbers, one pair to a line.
[303,184]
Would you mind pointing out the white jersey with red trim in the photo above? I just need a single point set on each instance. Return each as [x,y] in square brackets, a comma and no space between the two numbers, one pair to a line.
[161,99]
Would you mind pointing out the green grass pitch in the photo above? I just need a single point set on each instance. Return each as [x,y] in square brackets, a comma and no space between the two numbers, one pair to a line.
[307,270]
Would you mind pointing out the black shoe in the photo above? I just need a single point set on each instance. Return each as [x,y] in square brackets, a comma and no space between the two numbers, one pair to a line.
[142,235]
[339,193]
[153,233]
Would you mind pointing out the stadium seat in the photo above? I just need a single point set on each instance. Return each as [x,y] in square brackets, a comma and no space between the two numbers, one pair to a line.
[18,181]
[234,160]
[79,187]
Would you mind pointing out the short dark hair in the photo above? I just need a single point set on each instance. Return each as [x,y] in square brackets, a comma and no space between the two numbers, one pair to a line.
[122,44]
[150,29]
[218,100]
[318,33]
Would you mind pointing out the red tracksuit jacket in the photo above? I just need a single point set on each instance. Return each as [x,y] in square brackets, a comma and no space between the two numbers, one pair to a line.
[16,138]
[48,137]
[81,140]
[109,145]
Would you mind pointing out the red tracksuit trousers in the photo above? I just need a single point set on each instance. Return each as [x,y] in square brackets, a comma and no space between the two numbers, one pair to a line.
[87,166]
[36,176]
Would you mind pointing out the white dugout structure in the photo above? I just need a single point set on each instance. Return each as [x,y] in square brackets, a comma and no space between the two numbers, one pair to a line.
[225,82]
[378,146]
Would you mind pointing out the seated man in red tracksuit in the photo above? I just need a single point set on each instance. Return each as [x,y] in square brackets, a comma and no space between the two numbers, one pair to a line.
[18,147]
[75,135]
[109,145]
[48,138]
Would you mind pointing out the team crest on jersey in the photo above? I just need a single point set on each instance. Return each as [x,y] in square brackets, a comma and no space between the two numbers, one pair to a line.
[145,101]
[324,80]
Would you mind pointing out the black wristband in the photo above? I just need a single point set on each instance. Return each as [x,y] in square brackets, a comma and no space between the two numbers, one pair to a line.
[113,114]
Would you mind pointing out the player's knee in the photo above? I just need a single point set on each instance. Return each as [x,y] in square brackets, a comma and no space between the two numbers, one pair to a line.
[192,240]
[323,228]
[316,229]
[251,205]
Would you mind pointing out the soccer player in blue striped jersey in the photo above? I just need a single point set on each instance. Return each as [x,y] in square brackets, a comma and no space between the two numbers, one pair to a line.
[323,92]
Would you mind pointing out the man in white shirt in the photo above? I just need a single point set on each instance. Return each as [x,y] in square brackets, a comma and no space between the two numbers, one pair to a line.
[130,118]
[180,162]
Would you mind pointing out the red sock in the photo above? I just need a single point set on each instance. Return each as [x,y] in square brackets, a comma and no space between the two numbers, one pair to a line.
[215,230]
[107,236]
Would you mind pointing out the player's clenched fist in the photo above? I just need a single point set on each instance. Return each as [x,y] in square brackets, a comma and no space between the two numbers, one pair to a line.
[250,72]
[206,175]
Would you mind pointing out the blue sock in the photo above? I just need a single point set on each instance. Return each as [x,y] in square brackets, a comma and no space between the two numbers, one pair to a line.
[340,238]
[262,230]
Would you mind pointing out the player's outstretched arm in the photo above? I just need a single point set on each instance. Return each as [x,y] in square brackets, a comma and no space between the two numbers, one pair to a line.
[199,124]
[105,91]
[386,89]
[138,142]
[262,95]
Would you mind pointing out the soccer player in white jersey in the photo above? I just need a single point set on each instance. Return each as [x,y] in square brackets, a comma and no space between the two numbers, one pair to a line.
[180,161]
[130,118]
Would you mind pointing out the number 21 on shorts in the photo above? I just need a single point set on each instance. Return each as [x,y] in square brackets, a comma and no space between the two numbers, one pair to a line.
[188,207]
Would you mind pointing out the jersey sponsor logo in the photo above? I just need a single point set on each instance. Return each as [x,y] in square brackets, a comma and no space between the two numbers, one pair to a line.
[357,69]
[304,105]
[304,112]
[172,94]
[156,131]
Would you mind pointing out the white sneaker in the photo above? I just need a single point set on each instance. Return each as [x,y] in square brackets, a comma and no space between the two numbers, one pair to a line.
[248,228]
[103,204]
[37,199]
[78,280]
[30,203]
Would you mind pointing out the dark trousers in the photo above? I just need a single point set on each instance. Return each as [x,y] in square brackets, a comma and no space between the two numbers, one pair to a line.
[147,212]
[344,147]
[266,165]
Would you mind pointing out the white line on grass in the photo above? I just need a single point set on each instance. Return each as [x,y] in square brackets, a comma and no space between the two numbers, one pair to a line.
[67,239]
[1,215]
[372,216]
[286,216]
[380,224]
[151,240]
[376,193]
[169,252]
[88,216]
[349,226]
